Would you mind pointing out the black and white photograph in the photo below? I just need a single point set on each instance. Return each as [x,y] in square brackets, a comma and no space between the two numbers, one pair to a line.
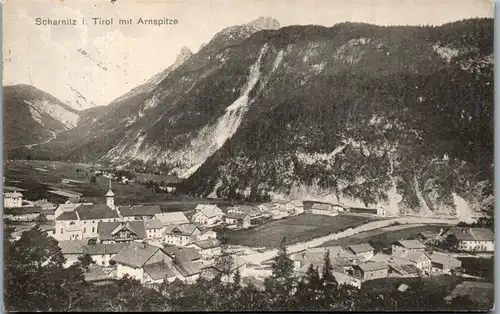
[260,156]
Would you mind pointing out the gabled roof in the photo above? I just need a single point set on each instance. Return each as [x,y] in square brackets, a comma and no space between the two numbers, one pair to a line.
[245,209]
[136,255]
[68,206]
[473,234]
[411,244]
[172,218]
[72,246]
[67,216]
[429,234]
[103,249]
[445,260]
[187,268]
[233,215]
[361,248]
[208,243]
[148,210]
[414,257]
[105,229]
[182,254]
[371,266]
[153,224]
[159,271]
[185,229]
[96,211]
[209,210]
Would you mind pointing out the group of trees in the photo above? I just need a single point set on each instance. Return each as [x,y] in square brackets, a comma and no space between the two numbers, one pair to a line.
[35,280]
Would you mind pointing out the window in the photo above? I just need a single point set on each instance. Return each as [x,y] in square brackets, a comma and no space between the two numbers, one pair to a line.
[93,229]
[84,230]
[62,231]
[102,262]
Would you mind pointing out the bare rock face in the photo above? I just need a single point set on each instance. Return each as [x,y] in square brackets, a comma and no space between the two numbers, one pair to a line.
[356,113]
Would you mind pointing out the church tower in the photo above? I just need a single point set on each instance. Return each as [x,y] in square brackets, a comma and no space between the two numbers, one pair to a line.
[110,200]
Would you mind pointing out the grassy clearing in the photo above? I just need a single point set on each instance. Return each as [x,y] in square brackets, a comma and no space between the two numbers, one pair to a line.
[295,229]
[382,237]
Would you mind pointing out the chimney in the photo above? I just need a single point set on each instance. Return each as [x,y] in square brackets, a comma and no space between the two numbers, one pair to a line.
[143,244]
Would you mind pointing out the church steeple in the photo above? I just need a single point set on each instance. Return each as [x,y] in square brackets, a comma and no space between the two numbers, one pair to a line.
[110,200]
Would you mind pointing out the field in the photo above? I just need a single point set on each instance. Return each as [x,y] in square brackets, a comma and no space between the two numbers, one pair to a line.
[295,229]
[38,176]
[383,237]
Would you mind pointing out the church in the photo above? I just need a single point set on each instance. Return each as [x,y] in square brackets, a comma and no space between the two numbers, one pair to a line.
[80,222]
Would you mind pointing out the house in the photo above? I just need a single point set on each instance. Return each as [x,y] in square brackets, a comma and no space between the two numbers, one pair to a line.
[181,235]
[102,254]
[12,200]
[407,245]
[189,272]
[71,250]
[82,222]
[295,207]
[316,257]
[417,258]
[364,250]
[427,236]
[172,218]
[397,267]
[443,263]
[121,231]
[139,212]
[207,215]
[237,220]
[323,209]
[183,254]
[470,239]
[345,279]
[44,204]
[22,213]
[144,262]
[68,206]
[381,212]
[370,271]
[155,229]
[208,249]
[206,234]
[252,211]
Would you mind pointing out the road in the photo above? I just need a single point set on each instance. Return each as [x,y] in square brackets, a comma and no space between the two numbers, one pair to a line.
[37,144]
[257,258]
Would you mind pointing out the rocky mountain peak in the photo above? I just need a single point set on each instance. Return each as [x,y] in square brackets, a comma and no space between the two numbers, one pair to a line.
[267,22]
[184,54]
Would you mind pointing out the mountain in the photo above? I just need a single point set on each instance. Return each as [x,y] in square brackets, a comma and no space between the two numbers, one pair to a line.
[358,114]
[33,116]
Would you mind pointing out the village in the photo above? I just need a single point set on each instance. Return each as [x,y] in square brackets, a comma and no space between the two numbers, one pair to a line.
[154,246]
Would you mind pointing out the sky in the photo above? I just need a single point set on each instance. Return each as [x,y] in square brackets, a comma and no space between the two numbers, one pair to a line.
[103,62]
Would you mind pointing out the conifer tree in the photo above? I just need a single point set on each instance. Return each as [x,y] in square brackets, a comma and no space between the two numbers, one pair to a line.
[329,283]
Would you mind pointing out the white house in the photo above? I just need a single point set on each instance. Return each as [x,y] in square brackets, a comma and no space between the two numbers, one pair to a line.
[417,258]
[206,234]
[408,246]
[181,235]
[323,209]
[12,199]
[207,215]
[155,229]
[172,218]
[471,239]
[208,249]
[101,254]
[71,250]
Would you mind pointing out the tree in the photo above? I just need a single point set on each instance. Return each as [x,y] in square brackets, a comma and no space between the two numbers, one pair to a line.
[237,280]
[93,179]
[328,282]
[282,266]
[224,264]
[308,290]
[85,261]
[92,241]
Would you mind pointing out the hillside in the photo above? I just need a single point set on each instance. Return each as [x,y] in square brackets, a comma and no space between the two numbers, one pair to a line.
[400,117]
[33,116]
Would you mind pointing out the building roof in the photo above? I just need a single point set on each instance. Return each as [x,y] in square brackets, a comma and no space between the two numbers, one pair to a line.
[234,215]
[24,211]
[401,266]
[208,243]
[182,254]
[159,271]
[343,277]
[446,260]
[185,229]
[209,210]
[67,216]
[473,234]
[429,234]
[103,249]
[403,287]
[72,246]
[69,194]
[246,209]
[371,266]
[153,224]
[12,195]
[323,206]
[136,255]
[361,248]
[172,218]
[147,210]
[411,244]
[68,206]
[187,268]
[414,257]
[110,193]
[478,292]
[106,230]
[13,189]
[96,211]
